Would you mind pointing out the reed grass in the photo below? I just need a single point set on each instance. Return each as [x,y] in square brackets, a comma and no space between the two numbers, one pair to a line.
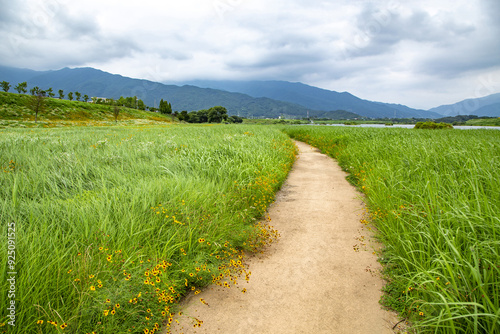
[434,198]
[114,225]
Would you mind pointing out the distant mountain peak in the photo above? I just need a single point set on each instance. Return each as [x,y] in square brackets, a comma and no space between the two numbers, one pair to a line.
[482,106]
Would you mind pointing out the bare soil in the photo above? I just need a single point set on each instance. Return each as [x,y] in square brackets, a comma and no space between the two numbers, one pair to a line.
[322,275]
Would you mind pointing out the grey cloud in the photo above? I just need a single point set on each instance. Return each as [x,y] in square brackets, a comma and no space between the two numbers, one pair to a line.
[106,48]
[379,30]
[58,21]
[47,35]
[43,20]
[9,13]
[290,40]
[74,26]
[450,64]
[276,59]
[280,52]
[43,54]
[492,9]
[471,52]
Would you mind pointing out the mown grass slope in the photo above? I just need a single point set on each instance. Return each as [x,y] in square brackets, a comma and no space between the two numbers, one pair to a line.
[14,107]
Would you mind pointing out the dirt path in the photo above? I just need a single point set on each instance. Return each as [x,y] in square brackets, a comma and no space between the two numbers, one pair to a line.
[313,280]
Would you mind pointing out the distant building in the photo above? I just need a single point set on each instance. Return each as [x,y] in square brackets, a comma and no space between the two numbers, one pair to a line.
[98,100]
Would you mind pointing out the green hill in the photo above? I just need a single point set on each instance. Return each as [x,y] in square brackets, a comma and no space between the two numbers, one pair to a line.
[14,107]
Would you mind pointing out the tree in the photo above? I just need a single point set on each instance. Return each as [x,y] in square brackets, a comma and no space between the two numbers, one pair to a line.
[161,107]
[183,116]
[165,107]
[78,96]
[50,92]
[85,98]
[217,114]
[235,119]
[35,90]
[115,108]
[194,117]
[5,86]
[141,105]
[22,87]
[61,94]
[116,112]
[70,96]
[37,101]
[202,116]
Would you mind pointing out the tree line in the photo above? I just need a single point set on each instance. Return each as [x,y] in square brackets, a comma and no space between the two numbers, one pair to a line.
[22,88]
[216,114]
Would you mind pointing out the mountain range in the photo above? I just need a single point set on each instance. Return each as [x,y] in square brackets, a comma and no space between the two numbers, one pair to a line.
[263,99]
[316,98]
[484,106]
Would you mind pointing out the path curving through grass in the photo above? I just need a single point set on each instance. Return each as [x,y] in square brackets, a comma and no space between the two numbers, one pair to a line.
[322,275]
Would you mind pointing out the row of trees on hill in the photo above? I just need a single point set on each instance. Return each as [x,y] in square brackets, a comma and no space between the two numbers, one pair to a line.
[22,88]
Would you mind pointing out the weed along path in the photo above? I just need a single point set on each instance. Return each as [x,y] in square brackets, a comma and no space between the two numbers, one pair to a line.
[320,277]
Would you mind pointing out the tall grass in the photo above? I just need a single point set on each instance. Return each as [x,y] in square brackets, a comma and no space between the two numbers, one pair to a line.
[435,199]
[115,225]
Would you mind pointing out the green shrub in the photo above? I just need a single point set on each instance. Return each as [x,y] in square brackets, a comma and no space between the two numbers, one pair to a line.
[432,125]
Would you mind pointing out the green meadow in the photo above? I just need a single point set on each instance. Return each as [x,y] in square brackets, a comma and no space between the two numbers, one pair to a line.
[112,226]
[434,200]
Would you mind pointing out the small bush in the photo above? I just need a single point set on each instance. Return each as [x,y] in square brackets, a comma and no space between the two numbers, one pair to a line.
[433,125]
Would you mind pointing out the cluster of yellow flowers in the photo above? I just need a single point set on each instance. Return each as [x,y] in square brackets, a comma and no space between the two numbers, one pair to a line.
[11,167]
[53,323]
[180,218]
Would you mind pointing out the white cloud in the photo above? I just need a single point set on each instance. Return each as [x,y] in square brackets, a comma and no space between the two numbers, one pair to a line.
[420,53]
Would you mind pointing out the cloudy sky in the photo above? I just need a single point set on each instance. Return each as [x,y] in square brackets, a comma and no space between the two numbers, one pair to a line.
[422,53]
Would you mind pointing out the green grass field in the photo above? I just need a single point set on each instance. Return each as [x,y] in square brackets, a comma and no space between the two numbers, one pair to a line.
[113,225]
[115,222]
[434,197]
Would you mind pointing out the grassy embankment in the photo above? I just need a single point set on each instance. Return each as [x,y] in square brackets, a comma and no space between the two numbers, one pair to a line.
[434,198]
[113,225]
[14,112]
[484,122]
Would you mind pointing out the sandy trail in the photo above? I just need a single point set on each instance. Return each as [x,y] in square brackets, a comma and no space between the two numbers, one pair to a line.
[313,280]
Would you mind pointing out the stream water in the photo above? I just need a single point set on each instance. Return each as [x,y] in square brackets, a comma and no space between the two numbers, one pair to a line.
[411,126]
